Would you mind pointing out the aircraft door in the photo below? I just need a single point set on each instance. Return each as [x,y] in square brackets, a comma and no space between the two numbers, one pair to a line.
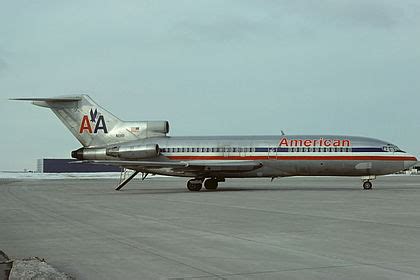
[226,151]
[272,153]
[242,151]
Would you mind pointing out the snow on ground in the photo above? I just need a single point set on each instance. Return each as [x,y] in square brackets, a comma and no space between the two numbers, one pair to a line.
[55,176]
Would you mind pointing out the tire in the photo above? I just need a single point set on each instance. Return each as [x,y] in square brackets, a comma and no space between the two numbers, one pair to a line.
[193,186]
[210,184]
[367,185]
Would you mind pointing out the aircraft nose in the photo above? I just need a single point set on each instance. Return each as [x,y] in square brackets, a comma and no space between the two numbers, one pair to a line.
[409,163]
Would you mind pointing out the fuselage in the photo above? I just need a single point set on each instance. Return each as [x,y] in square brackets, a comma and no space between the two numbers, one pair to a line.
[285,155]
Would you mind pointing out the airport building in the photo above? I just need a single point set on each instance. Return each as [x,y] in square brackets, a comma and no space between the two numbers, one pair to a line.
[48,165]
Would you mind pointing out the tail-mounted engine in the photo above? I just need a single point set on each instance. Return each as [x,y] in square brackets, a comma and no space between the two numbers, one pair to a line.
[130,152]
[134,152]
[140,130]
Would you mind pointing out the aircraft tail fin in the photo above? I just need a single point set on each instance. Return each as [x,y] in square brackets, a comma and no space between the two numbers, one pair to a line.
[88,122]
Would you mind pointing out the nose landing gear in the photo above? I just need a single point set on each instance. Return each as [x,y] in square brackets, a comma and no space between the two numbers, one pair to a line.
[367,184]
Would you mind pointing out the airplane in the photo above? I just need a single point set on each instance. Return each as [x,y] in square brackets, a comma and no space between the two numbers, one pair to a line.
[144,146]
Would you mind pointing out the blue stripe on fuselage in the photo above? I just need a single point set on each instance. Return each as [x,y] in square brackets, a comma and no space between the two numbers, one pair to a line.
[286,150]
[354,150]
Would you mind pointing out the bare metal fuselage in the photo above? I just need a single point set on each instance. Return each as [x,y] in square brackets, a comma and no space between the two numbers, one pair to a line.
[145,147]
[364,157]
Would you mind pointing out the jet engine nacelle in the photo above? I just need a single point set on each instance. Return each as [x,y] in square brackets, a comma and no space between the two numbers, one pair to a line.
[129,131]
[123,151]
[90,154]
[134,152]
[158,127]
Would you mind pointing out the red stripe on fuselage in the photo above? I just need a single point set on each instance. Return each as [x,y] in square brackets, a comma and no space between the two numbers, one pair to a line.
[385,158]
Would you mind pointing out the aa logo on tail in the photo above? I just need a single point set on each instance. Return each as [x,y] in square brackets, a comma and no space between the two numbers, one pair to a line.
[96,121]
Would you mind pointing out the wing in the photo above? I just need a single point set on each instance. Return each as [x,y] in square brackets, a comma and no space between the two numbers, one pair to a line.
[189,166]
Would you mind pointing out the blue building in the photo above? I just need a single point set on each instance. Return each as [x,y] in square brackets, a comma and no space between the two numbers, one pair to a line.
[48,165]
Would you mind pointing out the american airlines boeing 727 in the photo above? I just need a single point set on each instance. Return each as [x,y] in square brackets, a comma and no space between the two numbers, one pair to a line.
[144,146]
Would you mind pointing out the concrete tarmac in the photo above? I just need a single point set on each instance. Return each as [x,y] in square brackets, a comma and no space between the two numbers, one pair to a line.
[292,228]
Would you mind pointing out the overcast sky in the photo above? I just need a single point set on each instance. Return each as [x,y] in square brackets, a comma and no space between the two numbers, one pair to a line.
[212,68]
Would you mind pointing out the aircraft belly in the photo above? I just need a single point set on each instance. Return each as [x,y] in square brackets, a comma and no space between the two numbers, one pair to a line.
[339,167]
[285,168]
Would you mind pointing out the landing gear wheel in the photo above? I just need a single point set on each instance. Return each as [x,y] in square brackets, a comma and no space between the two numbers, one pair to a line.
[194,185]
[367,185]
[211,184]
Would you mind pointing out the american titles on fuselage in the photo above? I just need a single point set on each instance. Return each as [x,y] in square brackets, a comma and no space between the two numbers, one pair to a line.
[320,142]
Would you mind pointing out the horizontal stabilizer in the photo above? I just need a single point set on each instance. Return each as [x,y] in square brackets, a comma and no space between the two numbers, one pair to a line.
[50,99]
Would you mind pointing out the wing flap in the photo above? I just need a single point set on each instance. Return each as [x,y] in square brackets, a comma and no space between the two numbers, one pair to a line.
[225,166]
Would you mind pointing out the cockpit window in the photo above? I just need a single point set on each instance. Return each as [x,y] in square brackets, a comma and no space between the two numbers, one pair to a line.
[392,149]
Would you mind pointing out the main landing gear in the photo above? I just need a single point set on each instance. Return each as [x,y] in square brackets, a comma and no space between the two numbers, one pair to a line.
[195,185]
[367,184]
[210,184]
